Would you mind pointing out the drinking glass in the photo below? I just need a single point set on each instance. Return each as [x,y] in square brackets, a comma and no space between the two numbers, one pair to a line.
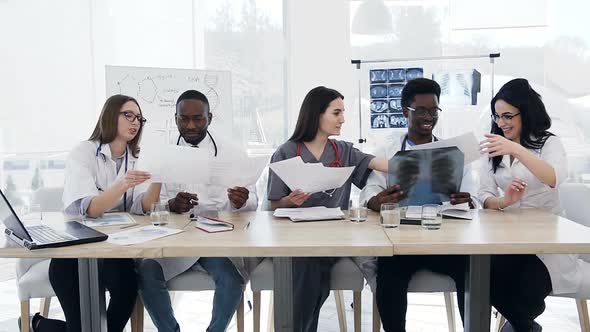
[357,212]
[431,216]
[390,215]
[160,214]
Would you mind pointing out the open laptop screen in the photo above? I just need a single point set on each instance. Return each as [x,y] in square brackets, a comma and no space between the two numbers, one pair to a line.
[10,219]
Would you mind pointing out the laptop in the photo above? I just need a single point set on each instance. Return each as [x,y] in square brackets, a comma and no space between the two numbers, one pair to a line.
[44,236]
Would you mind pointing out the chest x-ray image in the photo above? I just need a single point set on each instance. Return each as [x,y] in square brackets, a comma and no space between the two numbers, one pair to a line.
[426,176]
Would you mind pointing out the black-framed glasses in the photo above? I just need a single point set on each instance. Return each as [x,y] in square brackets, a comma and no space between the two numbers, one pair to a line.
[130,116]
[507,117]
[422,111]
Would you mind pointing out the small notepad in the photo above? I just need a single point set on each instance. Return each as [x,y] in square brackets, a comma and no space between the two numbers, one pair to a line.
[212,225]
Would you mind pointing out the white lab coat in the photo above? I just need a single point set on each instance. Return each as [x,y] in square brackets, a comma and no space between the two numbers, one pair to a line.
[377,182]
[88,173]
[566,271]
[210,197]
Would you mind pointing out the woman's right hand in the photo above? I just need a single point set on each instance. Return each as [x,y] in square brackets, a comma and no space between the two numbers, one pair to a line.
[297,197]
[514,192]
[133,178]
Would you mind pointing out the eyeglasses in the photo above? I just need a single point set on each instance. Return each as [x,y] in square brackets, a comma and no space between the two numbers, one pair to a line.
[422,111]
[506,117]
[130,116]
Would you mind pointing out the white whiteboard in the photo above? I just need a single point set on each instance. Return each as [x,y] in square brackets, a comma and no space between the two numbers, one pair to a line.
[157,89]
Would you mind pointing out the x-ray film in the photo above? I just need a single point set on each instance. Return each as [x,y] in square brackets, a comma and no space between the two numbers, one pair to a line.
[426,176]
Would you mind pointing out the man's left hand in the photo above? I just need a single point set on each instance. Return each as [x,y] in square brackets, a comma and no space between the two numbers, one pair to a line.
[237,196]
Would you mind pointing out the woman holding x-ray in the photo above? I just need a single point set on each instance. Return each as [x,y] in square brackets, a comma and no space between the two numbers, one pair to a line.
[100,177]
[321,116]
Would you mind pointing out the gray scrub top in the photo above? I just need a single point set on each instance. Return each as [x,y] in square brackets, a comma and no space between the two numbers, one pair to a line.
[349,156]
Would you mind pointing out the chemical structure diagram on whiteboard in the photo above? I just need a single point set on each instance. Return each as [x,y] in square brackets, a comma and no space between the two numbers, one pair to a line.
[157,89]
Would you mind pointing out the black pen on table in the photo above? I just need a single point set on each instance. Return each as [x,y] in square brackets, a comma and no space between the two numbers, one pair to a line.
[247,225]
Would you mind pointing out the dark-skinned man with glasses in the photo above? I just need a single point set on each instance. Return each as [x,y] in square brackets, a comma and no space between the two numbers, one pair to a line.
[420,104]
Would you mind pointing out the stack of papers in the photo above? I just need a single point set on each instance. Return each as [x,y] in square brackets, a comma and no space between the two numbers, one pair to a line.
[317,177]
[110,219]
[460,211]
[140,235]
[310,213]
[183,164]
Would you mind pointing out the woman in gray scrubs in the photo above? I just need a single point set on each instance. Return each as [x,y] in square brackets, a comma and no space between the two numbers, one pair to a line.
[321,116]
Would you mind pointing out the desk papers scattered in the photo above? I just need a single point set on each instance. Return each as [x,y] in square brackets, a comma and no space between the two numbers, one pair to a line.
[310,213]
[310,177]
[109,219]
[188,165]
[460,211]
[467,143]
[140,235]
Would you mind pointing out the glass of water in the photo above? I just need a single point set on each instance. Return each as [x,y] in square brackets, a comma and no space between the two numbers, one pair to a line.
[431,216]
[357,212]
[32,212]
[160,214]
[390,215]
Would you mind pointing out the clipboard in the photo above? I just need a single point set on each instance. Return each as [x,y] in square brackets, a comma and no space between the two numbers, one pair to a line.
[212,225]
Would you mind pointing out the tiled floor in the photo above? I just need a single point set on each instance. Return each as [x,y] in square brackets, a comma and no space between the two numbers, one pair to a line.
[426,312]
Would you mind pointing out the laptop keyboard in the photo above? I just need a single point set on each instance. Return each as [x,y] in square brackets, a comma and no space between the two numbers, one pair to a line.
[46,234]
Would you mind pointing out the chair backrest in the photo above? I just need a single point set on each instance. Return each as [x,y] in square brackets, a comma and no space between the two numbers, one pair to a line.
[575,200]
[49,199]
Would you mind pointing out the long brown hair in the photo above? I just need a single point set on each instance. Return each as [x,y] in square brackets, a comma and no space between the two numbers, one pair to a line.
[314,104]
[106,127]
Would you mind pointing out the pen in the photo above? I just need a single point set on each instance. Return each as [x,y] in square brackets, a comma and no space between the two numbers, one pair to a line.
[129,226]
[247,225]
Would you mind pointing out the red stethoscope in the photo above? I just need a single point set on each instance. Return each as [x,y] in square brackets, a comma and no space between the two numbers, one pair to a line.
[335,163]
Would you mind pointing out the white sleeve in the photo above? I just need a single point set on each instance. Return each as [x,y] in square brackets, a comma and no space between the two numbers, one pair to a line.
[487,183]
[470,182]
[377,181]
[553,153]
[80,177]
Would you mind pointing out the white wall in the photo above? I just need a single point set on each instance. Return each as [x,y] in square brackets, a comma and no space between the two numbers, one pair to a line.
[45,73]
[318,45]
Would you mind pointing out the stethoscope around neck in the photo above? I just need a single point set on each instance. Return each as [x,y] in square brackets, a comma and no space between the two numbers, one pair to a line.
[99,150]
[211,137]
[335,163]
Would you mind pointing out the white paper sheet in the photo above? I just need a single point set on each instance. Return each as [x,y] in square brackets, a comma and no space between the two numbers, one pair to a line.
[467,143]
[309,214]
[110,219]
[310,177]
[188,165]
[140,235]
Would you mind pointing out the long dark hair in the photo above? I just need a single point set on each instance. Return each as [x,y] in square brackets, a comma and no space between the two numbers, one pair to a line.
[533,115]
[314,104]
[106,127]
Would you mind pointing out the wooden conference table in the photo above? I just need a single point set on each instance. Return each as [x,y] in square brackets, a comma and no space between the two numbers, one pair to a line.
[491,232]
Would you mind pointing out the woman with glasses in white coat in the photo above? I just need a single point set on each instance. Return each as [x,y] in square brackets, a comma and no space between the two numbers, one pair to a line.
[100,177]
[527,163]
